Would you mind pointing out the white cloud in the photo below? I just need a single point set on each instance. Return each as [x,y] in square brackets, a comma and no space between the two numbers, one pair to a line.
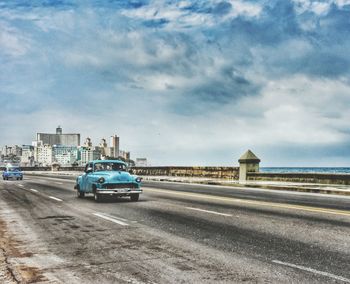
[179,18]
[297,110]
[318,7]
[244,8]
[12,41]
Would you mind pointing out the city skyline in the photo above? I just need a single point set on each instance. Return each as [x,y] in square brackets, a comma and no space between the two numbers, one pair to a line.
[64,149]
[183,82]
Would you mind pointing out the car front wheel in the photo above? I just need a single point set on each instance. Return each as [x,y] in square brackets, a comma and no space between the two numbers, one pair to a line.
[97,197]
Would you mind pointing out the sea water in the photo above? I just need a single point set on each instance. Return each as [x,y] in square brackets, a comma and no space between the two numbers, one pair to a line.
[323,170]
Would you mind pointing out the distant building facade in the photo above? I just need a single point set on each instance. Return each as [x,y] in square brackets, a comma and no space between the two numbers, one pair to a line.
[88,154]
[65,155]
[28,153]
[124,154]
[58,138]
[43,155]
[11,154]
[11,150]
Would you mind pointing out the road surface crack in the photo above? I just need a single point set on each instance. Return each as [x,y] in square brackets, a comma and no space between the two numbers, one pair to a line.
[8,267]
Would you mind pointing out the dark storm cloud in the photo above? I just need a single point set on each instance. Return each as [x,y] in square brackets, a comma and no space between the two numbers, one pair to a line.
[227,88]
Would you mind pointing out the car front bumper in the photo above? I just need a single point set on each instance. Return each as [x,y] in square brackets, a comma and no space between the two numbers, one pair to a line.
[119,191]
[13,176]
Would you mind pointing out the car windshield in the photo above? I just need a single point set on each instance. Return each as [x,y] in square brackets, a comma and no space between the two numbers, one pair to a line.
[13,169]
[109,167]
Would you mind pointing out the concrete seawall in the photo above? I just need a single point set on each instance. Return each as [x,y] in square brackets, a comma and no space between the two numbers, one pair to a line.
[226,173]
[207,172]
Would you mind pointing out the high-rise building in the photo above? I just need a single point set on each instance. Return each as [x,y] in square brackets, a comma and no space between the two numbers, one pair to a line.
[58,138]
[114,145]
[88,142]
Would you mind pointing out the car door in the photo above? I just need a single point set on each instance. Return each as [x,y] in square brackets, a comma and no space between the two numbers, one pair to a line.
[85,180]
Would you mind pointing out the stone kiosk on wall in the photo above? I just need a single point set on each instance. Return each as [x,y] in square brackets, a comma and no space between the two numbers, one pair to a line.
[248,163]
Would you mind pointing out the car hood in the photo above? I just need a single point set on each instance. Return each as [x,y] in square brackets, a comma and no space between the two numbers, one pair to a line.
[115,177]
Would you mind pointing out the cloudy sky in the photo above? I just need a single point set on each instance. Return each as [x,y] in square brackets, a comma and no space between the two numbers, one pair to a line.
[182,82]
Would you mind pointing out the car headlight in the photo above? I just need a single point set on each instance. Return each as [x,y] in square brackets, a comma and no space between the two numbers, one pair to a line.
[138,179]
[101,180]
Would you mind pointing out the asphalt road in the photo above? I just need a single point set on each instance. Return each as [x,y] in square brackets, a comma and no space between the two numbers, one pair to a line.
[176,233]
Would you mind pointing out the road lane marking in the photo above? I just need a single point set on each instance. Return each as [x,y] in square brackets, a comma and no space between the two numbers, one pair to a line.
[340,278]
[55,198]
[112,219]
[21,185]
[208,211]
[253,202]
[32,189]
[58,182]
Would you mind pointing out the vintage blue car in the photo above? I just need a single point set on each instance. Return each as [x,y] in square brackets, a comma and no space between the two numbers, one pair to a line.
[108,177]
[12,172]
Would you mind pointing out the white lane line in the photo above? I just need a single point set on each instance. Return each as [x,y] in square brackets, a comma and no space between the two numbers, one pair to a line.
[21,185]
[251,202]
[58,182]
[32,189]
[343,279]
[55,198]
[208,211]
[112,219]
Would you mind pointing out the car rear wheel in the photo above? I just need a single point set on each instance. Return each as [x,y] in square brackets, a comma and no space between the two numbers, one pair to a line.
[80,194]
[134,197]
